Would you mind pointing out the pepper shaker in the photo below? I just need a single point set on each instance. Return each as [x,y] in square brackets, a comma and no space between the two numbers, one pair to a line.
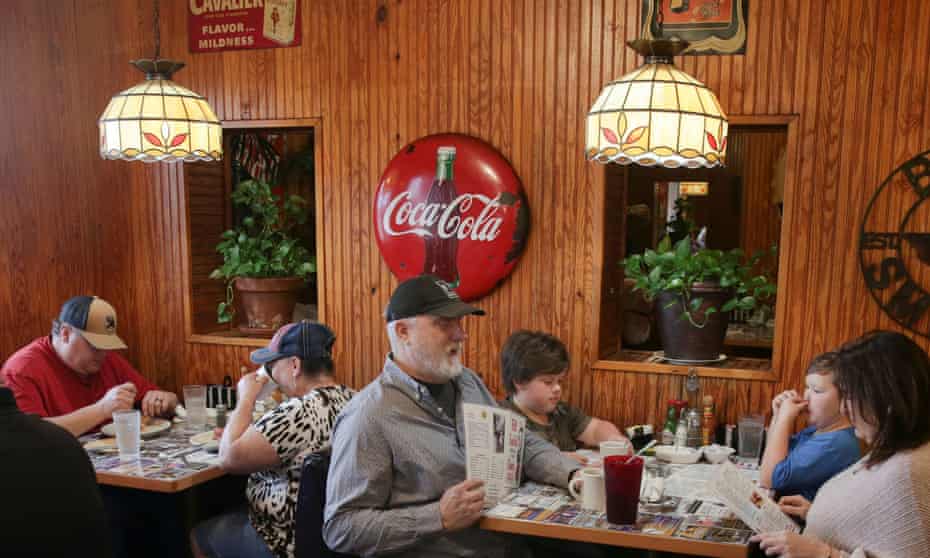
[221,416]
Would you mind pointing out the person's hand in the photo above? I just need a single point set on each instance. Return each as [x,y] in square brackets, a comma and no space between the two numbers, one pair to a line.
[157,403]
[117,398]
[250,386]
[791,408]
[796,505]
[781,398]
[791,545]
[461,504]
[576,456]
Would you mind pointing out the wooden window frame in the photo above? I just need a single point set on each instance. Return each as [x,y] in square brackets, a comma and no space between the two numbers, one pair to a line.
[785,238]
[242,341]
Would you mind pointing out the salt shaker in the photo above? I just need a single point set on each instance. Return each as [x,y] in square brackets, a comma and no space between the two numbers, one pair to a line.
[681,431]
[693,420]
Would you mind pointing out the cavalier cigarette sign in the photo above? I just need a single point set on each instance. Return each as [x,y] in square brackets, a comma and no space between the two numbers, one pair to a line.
[217,25]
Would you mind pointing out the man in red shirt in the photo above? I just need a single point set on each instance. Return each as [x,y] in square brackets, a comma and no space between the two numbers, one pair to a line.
[74,378]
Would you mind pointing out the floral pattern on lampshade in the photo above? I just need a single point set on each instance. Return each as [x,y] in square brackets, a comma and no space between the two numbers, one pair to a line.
[657,115]
[159,120]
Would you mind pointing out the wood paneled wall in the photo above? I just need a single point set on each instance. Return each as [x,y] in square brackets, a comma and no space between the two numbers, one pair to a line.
[519,74]
[758,152]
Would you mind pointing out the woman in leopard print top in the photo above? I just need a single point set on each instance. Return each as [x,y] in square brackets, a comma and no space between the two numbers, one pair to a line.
[272,451]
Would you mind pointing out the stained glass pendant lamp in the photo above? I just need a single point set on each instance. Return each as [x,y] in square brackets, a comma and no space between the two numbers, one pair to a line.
[158,120]
[657,115]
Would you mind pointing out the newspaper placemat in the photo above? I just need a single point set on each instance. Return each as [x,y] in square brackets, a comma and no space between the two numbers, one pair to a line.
[693,519]
[168,457]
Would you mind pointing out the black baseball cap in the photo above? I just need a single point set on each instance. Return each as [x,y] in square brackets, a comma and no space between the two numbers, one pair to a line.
[427,294]
[305,340]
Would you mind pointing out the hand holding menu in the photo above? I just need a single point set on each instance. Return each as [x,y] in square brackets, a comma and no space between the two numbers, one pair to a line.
[749,503]
[493,449]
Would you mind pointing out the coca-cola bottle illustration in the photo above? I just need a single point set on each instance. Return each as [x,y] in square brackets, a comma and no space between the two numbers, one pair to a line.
[442,253]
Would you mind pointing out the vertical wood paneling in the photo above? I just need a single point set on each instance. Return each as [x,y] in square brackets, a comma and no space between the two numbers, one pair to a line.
[518,73]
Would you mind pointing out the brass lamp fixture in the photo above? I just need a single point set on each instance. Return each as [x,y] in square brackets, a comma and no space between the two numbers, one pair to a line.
[657,115]
[158,120]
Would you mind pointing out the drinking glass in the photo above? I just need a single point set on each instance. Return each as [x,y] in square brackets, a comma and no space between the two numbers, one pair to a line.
[127,425]
[750,429]
[622,478]
[615,447]
[654,478]
[195,401]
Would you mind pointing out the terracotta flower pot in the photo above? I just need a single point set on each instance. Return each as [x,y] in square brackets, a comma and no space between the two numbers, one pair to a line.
[681,340]
[265,304]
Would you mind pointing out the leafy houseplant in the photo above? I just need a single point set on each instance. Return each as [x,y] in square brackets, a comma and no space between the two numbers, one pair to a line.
[695,291]
[264,248]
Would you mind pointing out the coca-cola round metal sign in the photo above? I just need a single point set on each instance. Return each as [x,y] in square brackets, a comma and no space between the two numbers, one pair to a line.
[452,206]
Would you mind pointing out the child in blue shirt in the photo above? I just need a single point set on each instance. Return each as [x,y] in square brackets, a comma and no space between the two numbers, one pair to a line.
[799,464]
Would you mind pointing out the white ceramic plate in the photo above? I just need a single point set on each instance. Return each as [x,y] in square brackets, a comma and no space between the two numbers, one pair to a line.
[152,427]
[717,453]
[101,444]
[205,439]
[661,356]
[678,455]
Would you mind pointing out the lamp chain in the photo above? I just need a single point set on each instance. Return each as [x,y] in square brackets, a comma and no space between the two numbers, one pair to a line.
[659,17]
[157,32]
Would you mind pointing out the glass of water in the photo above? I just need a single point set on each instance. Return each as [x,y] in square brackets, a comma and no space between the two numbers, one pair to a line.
[655,475]
[127,425]
[195,402]
[751,428]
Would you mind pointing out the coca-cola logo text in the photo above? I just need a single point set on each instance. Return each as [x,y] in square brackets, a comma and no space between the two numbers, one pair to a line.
[402,217]
[451,206]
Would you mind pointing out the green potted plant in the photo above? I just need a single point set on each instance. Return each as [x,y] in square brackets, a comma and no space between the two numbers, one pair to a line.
[265,265]
[695,290]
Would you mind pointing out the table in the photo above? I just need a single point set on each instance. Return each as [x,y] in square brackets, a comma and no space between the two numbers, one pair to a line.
[163,494]
[692,525]
[168,463]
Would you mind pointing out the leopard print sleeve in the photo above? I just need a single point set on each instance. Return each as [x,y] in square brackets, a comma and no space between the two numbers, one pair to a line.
[303,425]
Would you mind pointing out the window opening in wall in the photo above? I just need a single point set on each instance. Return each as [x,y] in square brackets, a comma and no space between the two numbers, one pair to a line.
[735,207]
[232,195]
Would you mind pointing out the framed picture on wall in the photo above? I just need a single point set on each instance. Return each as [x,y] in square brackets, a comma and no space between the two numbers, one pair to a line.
[711,26]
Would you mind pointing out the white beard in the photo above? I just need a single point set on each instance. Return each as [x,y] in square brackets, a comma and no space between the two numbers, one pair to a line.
[441,367]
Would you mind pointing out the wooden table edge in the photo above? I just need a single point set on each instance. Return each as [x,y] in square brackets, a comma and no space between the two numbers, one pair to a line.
[157,485]
[615,538]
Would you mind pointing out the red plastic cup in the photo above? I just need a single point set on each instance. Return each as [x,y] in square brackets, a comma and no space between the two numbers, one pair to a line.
[622,477]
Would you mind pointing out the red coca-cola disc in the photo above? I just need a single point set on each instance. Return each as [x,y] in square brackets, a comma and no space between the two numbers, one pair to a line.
[476,236]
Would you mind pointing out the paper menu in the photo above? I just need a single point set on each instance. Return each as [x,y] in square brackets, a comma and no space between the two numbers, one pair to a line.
[494,449]
[749,502]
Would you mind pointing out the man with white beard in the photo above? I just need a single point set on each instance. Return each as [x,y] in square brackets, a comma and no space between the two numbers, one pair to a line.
[397,477]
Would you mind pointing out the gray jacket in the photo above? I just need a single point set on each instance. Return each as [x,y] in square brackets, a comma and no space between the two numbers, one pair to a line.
[395,453]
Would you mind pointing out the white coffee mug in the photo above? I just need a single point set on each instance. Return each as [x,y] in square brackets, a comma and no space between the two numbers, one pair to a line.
[592,489]
[615,447]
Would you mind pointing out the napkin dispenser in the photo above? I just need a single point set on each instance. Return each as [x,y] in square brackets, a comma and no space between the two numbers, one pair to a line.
[224,394]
